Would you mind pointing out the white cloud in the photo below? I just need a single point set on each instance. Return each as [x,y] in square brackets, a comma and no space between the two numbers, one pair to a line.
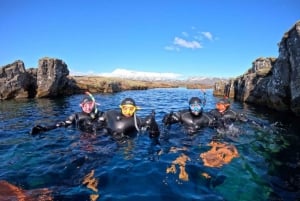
[191,40]
[186,44]
[207,35]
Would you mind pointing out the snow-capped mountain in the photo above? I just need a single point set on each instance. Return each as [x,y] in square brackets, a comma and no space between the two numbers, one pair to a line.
[154,76]
[139,75]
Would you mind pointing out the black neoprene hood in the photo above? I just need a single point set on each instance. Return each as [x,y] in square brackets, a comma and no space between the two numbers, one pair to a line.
[128,101]
[195,100]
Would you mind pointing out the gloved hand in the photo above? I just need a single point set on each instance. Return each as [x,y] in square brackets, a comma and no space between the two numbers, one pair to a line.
[167,119]
[153,127]
[37,129]
[242,117]
[150,118]
[60,124]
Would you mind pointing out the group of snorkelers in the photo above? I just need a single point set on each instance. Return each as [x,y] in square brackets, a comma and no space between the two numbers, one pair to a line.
[119,123]
[125,123]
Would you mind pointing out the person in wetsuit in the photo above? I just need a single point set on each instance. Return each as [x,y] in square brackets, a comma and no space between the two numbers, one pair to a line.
[193,119]
[87,120]
[223,114]
[125,123]
[225,117]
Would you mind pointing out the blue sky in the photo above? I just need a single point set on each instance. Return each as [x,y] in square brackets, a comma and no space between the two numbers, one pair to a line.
[217,38]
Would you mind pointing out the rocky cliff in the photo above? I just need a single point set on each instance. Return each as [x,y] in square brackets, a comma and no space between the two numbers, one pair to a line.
[52,79]
[271,82]
[48,80]
[16,82]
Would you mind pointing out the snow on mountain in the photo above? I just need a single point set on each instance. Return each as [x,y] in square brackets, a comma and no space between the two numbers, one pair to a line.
[154,76]
[140,75]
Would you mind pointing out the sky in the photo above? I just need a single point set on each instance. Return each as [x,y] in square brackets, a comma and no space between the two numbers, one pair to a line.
[214,38]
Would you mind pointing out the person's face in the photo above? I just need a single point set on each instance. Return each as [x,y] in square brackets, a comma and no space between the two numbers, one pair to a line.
[128,110]
[87,107]
[221,107]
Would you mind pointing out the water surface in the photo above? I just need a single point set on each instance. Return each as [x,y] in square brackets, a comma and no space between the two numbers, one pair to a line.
[74,165]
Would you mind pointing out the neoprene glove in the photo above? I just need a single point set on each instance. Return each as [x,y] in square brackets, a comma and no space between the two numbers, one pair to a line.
[242,117]
[37,129]
[167,119]
[60,124]
[153,127]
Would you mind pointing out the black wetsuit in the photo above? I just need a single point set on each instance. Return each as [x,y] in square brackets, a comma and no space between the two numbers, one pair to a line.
[226,118]
[120,126]
[84,122]
[228,115]
[191,122]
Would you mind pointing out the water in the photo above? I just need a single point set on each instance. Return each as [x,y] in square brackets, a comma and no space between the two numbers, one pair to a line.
[73,165]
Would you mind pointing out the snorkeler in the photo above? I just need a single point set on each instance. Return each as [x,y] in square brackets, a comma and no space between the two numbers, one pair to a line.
[87,120]
[193,119]
[125,123]
[225,116]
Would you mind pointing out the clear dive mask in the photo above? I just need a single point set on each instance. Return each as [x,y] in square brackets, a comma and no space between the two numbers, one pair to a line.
[196,107]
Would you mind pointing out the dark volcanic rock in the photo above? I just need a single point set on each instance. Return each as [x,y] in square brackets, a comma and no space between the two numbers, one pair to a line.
[15,82]
[273,82]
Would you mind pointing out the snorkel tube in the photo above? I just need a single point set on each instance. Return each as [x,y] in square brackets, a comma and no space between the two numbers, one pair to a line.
[204,97]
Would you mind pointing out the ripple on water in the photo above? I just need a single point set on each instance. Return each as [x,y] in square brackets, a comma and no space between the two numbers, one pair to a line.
[75,165]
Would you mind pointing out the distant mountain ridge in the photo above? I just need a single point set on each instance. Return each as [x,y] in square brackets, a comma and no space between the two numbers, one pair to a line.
[163,77]
[140,75]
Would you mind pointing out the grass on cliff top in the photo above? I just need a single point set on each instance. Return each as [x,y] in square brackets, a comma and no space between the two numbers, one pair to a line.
[134,84]
[95,80]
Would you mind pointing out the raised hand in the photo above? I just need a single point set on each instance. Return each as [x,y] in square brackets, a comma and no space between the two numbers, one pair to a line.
[168,118]
[152,125]
[38,129]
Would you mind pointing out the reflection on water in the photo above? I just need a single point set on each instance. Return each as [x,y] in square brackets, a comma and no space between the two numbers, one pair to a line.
[244,163]
[181,161]
[91,183]
[219,154]
[10,192]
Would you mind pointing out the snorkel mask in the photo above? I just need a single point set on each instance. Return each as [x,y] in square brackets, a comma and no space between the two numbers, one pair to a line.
[196,106]
[128,107]
[128,110]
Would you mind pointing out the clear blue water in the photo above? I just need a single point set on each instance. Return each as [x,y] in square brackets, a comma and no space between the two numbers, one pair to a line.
[267,168]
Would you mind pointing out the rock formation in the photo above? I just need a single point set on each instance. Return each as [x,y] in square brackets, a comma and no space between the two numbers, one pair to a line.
[271,82]
[16,82]
[51,77]
[48,80]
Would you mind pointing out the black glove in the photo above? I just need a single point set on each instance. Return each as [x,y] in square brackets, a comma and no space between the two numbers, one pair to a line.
[242,117]
[150,118]
[61,124]
[153,127]
[167,119]
[38,129]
